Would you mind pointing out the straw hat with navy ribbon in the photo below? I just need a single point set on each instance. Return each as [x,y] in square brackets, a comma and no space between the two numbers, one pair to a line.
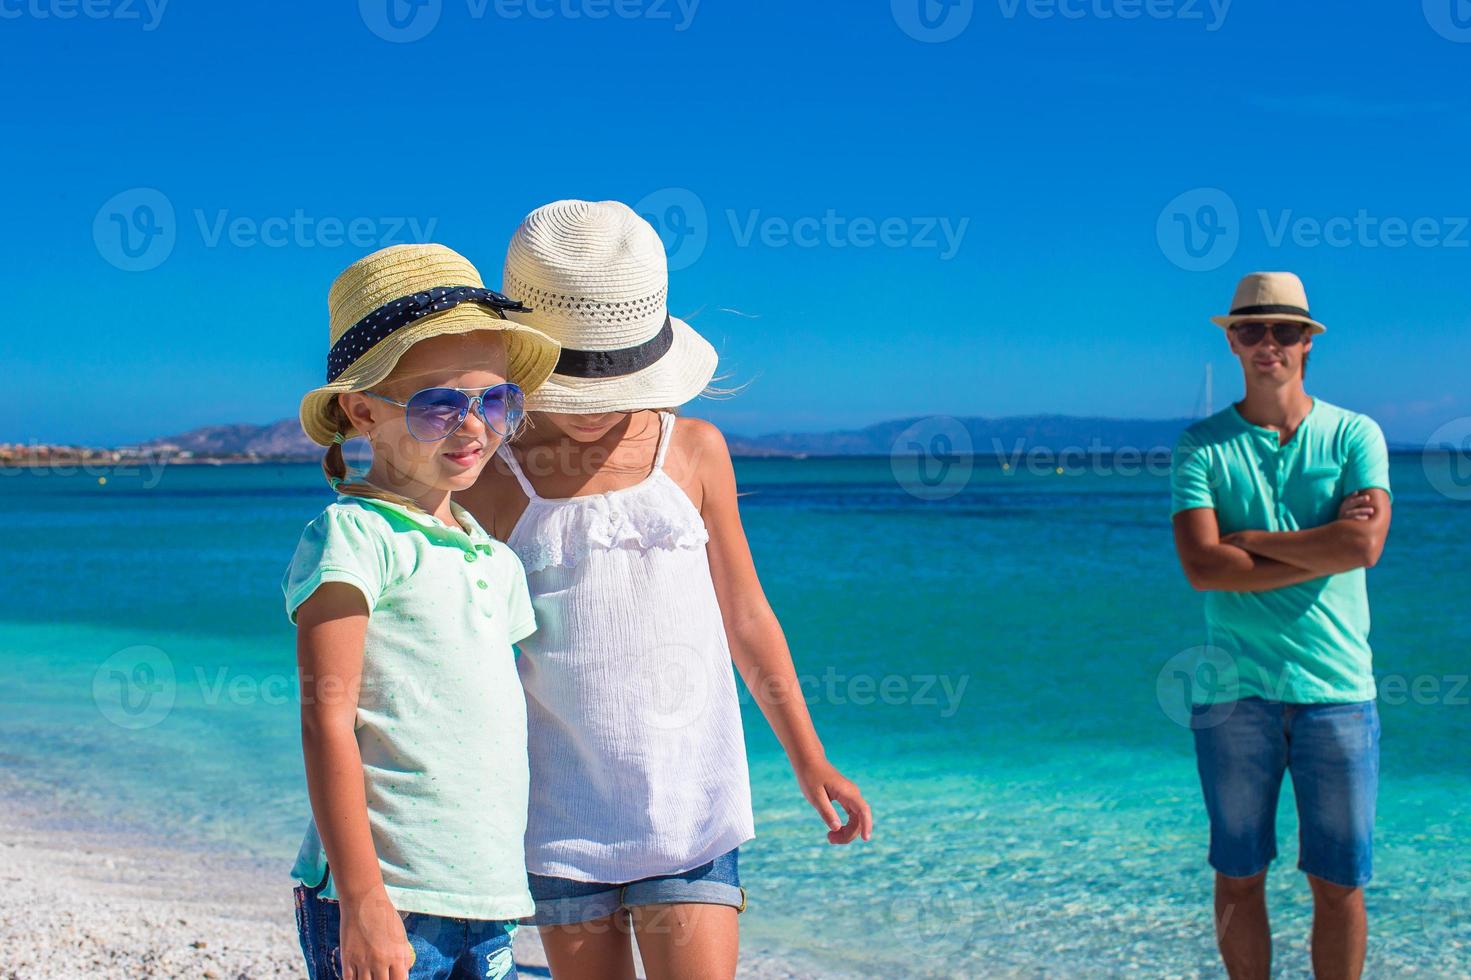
[597,280]
[385,303]
[1269,297]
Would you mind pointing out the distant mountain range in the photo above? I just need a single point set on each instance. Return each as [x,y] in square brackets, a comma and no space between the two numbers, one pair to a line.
[932,434]
[935,434]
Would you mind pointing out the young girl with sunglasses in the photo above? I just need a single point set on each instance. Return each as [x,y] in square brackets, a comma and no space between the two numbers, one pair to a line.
[413,719]
[626,521]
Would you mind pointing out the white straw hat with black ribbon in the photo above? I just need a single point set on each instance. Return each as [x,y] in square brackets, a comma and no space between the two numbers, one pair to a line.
[596,278]
[1269,297]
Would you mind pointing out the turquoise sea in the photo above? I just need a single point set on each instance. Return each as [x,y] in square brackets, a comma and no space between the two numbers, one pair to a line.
[996,668]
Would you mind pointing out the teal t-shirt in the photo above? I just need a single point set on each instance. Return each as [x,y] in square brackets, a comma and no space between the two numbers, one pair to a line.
[441,717]
[1307,643]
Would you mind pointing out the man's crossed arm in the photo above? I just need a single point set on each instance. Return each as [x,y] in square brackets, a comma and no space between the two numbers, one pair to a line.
[1256,561]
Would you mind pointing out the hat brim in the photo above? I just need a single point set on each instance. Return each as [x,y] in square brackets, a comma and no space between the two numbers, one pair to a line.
[1227,322]
[682,373]
[530,357]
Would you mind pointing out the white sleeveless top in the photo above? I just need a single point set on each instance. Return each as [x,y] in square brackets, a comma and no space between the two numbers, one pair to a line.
[638,759]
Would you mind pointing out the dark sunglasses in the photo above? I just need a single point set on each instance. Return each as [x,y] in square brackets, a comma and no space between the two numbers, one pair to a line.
[437,413]
[1286,334]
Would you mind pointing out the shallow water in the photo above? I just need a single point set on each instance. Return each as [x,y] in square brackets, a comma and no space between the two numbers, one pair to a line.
[993,667]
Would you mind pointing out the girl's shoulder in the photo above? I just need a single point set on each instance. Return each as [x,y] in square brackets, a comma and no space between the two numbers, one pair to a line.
[697,452]
[351,514]
[347,542]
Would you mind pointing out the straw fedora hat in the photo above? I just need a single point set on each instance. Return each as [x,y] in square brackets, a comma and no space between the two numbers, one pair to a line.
[1272,297]
[387,302]
[597,280]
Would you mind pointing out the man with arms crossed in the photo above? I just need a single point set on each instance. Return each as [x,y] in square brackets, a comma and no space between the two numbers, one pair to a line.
[1280,503]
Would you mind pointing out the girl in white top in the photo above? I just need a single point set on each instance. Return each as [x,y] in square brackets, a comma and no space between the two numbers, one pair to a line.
[626,520]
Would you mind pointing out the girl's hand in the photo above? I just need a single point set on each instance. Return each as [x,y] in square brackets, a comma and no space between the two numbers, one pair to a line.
[1357,507]
[823,785]
[374,943]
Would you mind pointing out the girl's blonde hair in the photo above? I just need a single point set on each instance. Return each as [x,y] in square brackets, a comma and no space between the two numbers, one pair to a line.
[334,467]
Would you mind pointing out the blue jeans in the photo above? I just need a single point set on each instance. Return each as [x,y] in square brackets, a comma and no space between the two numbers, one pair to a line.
[1242,749]
[444,948]
[563,902]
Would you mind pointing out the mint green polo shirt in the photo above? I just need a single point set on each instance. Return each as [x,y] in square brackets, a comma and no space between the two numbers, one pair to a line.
[441,718]
[1307,643]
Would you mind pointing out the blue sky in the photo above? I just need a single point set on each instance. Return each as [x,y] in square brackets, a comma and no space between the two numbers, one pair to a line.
[869,221]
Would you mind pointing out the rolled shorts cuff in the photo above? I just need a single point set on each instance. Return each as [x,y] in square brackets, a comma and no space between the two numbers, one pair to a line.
[586,908]
[1241,870]
[676,892]
[1335,876]
[578,908]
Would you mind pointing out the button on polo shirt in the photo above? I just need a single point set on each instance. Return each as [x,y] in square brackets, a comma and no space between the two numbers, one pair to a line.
[441,717]
[1307,643]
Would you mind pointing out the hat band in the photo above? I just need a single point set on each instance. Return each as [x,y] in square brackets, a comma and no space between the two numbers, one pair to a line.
[616,363]
[396,314]
[1271,309]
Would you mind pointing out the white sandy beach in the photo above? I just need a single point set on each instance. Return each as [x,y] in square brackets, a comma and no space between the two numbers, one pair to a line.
[77,902]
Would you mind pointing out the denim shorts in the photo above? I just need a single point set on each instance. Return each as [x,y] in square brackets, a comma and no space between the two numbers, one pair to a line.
[1242,749]
[472,949]
[563,902]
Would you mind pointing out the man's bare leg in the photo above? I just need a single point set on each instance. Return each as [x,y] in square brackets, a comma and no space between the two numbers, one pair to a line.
[1340,931]
[1243,933]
